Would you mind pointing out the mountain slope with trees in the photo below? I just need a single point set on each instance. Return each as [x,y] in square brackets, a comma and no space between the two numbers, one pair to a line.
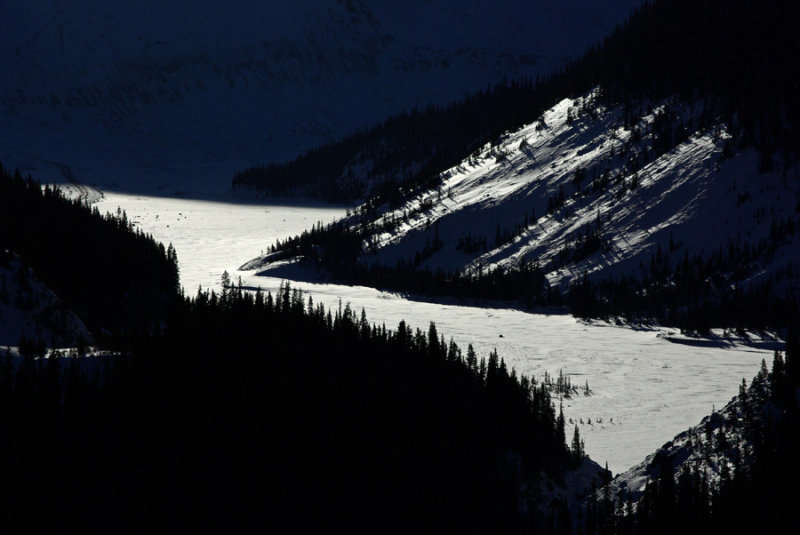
[31,314]
[736,472]
[667,195]
[116,279]
[728,62]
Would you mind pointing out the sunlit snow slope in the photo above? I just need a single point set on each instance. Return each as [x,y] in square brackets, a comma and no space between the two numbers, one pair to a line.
[536,194]
[30,310]
[179,96]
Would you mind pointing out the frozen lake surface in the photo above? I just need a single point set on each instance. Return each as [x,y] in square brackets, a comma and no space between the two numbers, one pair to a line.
[645,389]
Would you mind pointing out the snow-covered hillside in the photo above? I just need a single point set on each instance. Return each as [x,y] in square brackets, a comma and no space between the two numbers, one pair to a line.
[723,443]
[579,192]
[159,95]
[29,310]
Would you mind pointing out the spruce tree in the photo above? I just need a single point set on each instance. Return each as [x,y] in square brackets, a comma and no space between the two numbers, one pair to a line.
[577,445]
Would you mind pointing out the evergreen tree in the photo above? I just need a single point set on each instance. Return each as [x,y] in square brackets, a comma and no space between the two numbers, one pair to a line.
[577,445]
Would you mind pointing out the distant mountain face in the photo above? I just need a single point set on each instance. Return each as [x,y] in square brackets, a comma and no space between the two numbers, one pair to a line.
[150,93]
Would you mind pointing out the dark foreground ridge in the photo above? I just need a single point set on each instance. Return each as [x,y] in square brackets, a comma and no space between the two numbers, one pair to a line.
[252,413]
[246,412]
[117,279]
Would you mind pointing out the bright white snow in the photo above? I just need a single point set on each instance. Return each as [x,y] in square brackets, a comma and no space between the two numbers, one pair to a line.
[690,195]
[216,234]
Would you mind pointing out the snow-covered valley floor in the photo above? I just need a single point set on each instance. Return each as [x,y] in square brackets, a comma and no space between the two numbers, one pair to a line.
[645,388]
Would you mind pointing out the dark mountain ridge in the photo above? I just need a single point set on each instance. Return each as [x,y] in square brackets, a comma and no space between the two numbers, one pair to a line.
[249,412]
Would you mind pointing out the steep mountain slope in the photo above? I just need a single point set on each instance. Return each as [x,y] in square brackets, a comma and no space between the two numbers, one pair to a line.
[580,193]
[115,278]
[31,314]
[721,442]
[742,81]
[735,472]
[180,97]
[646,185]
[548,187]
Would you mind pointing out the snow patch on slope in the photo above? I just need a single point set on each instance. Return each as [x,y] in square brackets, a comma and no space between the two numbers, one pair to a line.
[28,308]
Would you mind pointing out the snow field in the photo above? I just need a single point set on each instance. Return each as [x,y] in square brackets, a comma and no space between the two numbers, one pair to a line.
[651,387]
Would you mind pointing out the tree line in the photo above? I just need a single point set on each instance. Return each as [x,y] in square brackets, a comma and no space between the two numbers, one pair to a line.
[114,276]
[243,411]
[402,155]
